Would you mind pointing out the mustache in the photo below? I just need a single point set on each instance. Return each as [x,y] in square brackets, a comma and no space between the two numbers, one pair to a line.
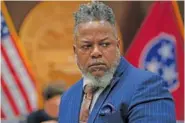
[97,62]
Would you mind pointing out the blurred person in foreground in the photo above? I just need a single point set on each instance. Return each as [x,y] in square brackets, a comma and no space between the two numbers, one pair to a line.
[49,114]
[111,90]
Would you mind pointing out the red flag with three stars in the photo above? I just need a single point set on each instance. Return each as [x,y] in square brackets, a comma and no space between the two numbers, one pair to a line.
[158,47]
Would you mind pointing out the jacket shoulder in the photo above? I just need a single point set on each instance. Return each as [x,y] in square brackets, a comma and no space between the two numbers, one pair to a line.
[73,89]
[141,75]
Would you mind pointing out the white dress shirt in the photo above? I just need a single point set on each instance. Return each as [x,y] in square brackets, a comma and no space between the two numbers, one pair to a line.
[96,94]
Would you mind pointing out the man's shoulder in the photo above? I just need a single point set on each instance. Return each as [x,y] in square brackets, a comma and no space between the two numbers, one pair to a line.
[140,76]
[132,72]
[143,73]
[36,113]
[140,73]
[35,116]
[73,89]
[143,79]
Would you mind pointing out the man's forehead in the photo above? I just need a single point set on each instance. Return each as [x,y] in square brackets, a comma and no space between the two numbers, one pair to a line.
[95,23]
[87,40]
[94,36]
[94,26]
[94,29]
[98,22]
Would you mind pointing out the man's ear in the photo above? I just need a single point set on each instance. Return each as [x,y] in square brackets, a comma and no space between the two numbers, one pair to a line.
[74,48]
[118,43]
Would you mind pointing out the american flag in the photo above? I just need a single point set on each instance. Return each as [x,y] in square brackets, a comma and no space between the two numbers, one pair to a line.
[18,90]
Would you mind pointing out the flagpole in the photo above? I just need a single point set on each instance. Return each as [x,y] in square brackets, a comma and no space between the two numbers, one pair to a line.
[178,16]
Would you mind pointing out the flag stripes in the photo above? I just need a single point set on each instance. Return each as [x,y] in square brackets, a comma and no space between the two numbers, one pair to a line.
[17,80]
[2,114]
[9,97]
[13,88]
[20,70]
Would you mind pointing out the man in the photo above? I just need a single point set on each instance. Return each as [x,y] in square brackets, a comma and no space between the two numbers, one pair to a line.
[111,90]
[49,114]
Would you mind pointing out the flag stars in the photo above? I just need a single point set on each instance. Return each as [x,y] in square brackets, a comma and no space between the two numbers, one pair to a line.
[153,65]
[169,73]
[4,30]
[166,51]
[2,18]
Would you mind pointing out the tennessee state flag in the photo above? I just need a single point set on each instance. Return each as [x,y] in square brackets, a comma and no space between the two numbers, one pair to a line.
[159,48]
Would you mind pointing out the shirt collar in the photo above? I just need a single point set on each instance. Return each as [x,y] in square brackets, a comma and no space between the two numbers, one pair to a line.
[87,81]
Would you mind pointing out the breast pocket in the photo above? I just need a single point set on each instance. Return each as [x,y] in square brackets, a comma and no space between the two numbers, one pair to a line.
[109,114]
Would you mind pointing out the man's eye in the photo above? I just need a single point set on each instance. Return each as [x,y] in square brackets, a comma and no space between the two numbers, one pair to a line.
[86,46]
[105,44]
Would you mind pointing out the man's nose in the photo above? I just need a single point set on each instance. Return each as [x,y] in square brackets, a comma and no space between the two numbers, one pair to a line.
[96,53]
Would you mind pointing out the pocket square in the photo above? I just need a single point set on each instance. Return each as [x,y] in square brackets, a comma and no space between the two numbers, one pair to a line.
[110,114]
[107,109]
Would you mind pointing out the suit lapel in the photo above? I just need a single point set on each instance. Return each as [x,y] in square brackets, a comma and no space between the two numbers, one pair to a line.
[103,96]
[78,99]
[101,100]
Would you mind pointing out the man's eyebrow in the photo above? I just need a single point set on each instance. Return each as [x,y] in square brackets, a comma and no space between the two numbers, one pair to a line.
[88,41]
[85,41]
[104,39]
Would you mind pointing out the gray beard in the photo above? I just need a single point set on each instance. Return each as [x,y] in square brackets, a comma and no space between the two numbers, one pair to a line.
[100,81]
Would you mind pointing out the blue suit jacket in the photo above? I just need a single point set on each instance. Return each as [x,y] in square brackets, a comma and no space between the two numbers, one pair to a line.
[134,96]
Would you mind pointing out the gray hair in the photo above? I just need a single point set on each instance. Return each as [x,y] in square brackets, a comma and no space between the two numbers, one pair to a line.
[94,11]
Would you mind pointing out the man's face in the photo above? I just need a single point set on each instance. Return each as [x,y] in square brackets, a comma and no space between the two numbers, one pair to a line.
[51,106]
[96,47]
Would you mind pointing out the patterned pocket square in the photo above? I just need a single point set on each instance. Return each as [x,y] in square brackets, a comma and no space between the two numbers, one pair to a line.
[109,114]
[107,109]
